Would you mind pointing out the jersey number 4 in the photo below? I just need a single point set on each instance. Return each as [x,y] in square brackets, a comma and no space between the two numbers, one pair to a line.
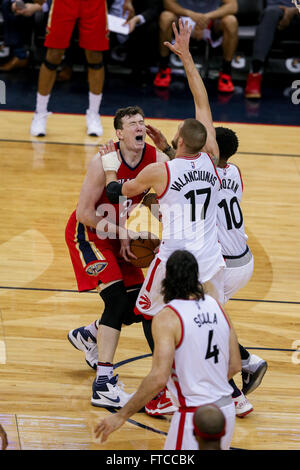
[212,351]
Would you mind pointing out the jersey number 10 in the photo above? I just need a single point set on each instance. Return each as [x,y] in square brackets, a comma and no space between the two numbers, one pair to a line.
[230,214]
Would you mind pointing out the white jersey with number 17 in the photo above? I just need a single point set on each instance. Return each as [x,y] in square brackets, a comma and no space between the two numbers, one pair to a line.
[188,208]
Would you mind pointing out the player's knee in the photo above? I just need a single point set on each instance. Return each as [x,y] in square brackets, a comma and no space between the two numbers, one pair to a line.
[166,18]
[94,60]
[230,24]
[53,58]
[116,305]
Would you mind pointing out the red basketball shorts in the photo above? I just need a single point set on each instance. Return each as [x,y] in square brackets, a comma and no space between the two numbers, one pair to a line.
[97,261]
[92,24]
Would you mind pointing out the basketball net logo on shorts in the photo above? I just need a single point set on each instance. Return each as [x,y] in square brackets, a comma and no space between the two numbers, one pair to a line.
[96,268]
[145,302]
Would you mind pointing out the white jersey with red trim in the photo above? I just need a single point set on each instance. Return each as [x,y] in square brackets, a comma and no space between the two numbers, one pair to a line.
[230,222]
[201,360]
[188,209]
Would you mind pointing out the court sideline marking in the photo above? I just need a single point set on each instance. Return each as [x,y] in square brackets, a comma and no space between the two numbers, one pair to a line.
[20,141]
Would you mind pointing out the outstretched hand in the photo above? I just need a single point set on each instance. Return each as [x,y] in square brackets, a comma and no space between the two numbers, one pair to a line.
[107,426]
[182,38]
[157,137]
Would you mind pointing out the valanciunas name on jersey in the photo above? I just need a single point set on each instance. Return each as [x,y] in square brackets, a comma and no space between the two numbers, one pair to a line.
[194,175]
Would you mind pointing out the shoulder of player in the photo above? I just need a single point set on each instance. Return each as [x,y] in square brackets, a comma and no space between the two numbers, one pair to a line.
[234,165]
[167,314]
[95,167]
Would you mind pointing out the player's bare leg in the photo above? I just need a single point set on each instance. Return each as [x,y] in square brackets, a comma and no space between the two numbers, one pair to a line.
[47,77]
[229,27]
[96,76]
[163,77]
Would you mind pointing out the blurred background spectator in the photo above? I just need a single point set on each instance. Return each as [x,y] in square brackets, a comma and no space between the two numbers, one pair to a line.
[19,22]
[261,36]
[280,18]
[140,47]
[211,19]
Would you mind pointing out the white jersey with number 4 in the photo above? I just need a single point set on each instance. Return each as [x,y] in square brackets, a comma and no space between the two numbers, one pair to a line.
[230,222]
[188,208]
[201,361]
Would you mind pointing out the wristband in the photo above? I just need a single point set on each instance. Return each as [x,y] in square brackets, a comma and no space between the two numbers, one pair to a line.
[114,192]
[110,162]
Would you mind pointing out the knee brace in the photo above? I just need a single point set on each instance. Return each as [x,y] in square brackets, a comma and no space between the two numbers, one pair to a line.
[116,305]
[50,65]
[97,66]
[130,317]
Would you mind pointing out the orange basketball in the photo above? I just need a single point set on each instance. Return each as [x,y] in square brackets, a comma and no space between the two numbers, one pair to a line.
[143,249]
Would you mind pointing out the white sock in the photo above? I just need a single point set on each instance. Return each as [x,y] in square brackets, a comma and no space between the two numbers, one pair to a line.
[42,103]
[94,102]
[93,328]
[105,368]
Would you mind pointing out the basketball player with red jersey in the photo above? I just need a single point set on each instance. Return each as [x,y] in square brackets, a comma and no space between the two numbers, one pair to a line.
[196,352]
[91,17]
[99,249]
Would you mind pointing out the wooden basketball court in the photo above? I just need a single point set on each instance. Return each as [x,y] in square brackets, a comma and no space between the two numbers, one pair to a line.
[45,383]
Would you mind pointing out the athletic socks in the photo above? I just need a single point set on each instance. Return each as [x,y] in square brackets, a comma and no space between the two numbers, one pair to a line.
[42,103]
[257,66]
[245,355]
[94,102]
[105,369]
[226,67]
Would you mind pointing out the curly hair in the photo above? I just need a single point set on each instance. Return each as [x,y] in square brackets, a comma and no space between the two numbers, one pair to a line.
[181,281]
[227,141]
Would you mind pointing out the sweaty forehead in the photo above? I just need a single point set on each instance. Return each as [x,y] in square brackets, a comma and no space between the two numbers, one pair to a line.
[132,119]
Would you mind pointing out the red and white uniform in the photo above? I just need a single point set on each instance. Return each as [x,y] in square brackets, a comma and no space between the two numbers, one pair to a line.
[231,231]
[188,208]
[98,261]
[92,24]
[200,368]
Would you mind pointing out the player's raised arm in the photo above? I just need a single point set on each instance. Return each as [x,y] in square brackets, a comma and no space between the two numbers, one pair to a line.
[198,90]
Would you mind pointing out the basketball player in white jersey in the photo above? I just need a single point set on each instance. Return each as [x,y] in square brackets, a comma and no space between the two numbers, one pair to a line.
[195,350]
[237,254]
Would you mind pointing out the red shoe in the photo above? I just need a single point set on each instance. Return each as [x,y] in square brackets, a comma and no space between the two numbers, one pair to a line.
[161,404]
[225,84]
[163,78]
[253,86]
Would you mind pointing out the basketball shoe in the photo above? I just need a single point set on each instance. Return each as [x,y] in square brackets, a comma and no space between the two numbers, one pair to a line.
[83,340]
[242,406]
[161,404]
[163,78]
[38,125]
[109,393]
[252,373]
[225,84]
[253,85]
[93,123]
